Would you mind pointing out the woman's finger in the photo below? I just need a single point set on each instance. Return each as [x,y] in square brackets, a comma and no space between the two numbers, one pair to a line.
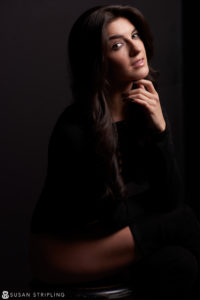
[142,97]
[141,86]
[147,84]
[139,92]
[141,102]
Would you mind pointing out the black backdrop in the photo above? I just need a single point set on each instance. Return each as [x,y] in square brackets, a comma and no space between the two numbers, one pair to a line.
[34,91]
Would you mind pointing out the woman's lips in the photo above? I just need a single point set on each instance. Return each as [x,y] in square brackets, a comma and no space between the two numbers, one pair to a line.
[139,63]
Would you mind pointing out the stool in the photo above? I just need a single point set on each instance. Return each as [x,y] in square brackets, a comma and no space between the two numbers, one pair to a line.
[104,292]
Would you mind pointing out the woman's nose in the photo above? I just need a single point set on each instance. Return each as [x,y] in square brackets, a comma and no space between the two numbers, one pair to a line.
[134,48]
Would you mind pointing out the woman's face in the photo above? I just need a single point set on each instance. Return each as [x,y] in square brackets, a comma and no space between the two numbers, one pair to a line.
[125,52]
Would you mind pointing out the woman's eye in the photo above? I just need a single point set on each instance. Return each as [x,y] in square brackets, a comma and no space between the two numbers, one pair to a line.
[116,46]
[135,35]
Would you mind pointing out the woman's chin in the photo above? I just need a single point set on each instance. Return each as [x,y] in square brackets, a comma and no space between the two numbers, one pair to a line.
[141,74]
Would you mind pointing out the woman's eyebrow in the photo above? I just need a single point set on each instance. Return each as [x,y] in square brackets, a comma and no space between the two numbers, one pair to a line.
[117,36]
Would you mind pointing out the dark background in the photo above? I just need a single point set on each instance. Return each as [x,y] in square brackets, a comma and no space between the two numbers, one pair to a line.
[34,91]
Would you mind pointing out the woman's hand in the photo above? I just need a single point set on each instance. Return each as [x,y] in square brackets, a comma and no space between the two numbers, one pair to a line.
[146,96]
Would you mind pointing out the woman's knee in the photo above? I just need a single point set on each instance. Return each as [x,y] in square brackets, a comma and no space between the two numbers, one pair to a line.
[185,263]
[172,270]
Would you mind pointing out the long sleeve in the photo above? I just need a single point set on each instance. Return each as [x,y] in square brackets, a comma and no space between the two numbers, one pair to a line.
[163,193]
[164,174]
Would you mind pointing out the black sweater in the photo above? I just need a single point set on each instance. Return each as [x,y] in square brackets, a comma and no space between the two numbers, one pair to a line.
[72,202]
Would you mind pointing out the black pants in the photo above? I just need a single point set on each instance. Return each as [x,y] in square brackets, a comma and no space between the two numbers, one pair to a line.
[170,247]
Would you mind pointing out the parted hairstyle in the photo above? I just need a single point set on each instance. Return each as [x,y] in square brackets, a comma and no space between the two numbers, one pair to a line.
[89,82]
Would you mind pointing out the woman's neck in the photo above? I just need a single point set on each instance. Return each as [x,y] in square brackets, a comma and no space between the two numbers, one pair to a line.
[116,103]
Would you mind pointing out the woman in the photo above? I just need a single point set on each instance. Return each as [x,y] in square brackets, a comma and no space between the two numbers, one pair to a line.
[111,203]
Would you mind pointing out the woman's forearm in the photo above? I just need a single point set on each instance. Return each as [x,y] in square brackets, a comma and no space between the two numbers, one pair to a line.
[60,261]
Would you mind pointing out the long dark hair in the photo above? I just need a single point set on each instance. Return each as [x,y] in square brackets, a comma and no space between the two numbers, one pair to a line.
[86,48]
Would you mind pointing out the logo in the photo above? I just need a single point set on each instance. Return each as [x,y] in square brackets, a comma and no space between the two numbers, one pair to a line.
[5,295]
